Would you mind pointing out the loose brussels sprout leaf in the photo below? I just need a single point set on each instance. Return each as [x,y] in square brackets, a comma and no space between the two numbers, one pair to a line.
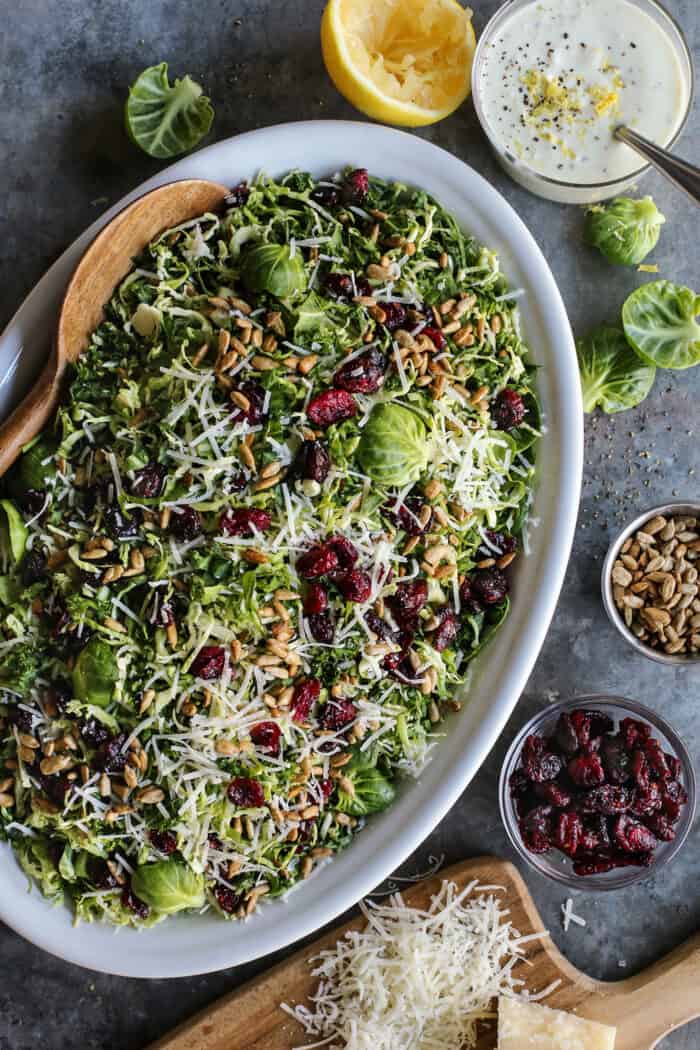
[659,319]
[373,792]
[95,673]
[165,119]
[312,318]
[16,529]
[33,471]
[481,627]
[394,447]
[624,231]
[168,886]
[35,859]
[613,376]
[272,268]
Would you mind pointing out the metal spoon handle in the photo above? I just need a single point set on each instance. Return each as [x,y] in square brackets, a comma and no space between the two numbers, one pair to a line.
[685,176]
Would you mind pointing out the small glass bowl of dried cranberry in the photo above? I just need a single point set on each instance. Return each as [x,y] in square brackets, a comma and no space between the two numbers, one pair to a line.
[597,792]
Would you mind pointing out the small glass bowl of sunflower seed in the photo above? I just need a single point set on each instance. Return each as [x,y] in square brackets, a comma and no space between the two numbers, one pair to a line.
[650,584]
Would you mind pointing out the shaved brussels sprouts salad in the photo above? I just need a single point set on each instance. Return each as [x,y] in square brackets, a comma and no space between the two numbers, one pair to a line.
[245,568]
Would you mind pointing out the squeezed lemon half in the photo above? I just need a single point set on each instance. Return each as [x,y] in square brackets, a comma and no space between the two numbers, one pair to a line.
[400,61]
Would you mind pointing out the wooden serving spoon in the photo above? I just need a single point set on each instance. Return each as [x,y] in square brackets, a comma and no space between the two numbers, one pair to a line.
[644,1008]
[108,259]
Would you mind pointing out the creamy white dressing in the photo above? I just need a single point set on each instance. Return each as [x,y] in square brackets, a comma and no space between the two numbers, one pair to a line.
[559,75]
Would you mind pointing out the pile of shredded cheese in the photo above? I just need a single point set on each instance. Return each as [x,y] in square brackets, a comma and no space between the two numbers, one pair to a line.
[414,979]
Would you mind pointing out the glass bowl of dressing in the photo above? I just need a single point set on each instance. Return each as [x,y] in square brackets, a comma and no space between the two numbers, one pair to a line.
[552,79]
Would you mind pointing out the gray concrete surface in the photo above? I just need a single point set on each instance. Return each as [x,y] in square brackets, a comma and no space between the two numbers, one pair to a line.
[65,66]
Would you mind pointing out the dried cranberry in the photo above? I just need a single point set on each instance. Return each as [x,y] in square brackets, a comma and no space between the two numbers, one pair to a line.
[336,714]
[490,585]
[657,759]
[315,600]
[661,827]
[377,625]
[394,315]
[646,800]
[363,374]
[345,551]
[215,842]
[355,585]
[436,337]
[408,515]
[600,723]
[586,770]
[244,521]
[339,285]
[327,786]
[408,599]
[356,186]
[185,523]
[317,562]
[209,662]
[111,756]
[255,395]
[554,793]
[227,899]
[634,733]
[164,841]
[499,543]
[640,770]
[673,798]
[536,829]
[246,793]
[399,667]
[100,875]
[120,525]
[33,567]
[632,836]
[539,764]
[305,696]
[326,196]
[363,286]
[32,501]
[581,721]
[56,786]
[312,461]
[322,627]
[519,783]
[23,719]
[332,406]
[468,597]
[508,410]
[148,482]
[594,865]
[267,736]
[595,835]
[565,734]
[567,831]
[94,733]
[446,632]
[605,799]
[674,766]
[616,761]
[238,196]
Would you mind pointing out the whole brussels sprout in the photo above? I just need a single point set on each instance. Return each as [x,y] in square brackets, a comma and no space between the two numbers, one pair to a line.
[624,231]
[272,268]
[95,673]
[168,886]
[373,792]
[394,446]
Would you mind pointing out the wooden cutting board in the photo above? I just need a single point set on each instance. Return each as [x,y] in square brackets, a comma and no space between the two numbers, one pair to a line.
[644,1008]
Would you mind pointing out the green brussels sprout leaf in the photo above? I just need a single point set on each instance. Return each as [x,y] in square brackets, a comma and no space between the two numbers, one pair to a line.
[273,268]
[16,529]
[34,472]
[659,319]
[624,231]
[482,627]
[165,119]
[95,673]
[613,376]
[168,886]
[394,447]
[373,792]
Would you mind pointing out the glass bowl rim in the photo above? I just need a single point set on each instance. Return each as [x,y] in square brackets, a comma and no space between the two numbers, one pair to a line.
[627,876]
[609,184]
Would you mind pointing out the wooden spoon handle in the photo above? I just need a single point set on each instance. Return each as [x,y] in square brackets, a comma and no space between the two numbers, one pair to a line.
[31,414]
[647,1007]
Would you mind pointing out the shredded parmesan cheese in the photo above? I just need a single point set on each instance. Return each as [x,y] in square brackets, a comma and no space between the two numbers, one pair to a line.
[414,979]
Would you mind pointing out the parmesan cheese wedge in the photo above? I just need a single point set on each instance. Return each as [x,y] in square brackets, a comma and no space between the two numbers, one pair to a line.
[530,1026]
